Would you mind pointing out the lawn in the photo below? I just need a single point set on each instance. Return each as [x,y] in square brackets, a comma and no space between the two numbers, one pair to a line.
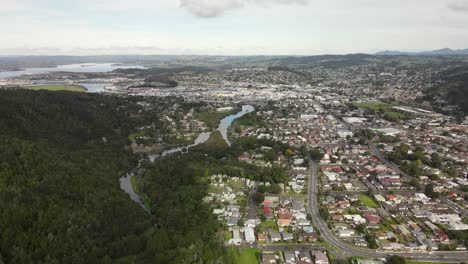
[395,115]
[227,235]
[270,224]
[236,185]
[72,88]
[137,134]
[386,108]
[368,201]
[350,211]
[243,256]
[385,227]
[376,106]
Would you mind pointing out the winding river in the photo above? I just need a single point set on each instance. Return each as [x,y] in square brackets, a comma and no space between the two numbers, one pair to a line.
[224,124]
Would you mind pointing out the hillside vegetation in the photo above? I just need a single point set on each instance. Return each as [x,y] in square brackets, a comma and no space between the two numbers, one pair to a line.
[61,157]
[452,88]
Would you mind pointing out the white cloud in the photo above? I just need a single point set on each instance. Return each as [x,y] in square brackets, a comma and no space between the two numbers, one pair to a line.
[210,8]
[459,5]
[214,8]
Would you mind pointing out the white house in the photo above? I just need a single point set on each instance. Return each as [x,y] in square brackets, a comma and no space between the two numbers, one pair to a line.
[249,235]
[345,232]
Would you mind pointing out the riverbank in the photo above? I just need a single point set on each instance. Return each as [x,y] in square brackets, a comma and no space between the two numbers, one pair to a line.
[215,141]
[144,198]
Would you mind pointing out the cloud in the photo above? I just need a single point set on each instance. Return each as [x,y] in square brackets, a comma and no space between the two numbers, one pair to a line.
[210,8]
[103,50]
[459,5]
[214,8]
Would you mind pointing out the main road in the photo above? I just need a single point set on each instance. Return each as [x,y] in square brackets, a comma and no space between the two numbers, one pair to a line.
[344,250]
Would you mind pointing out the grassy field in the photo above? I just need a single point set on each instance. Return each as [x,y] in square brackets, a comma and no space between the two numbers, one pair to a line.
[72,88]
[269,224]
[242,256]
[368,201]
[385,108]
[376,106]
[212,117]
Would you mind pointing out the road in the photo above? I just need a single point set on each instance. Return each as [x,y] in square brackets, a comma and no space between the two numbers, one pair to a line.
[344,250]
[290,247]
[376,152]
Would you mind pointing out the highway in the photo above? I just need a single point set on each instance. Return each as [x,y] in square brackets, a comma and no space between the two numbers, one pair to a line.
[344,250]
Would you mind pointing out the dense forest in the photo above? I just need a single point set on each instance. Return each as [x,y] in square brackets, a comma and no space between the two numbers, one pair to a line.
[186,228]
[61,157]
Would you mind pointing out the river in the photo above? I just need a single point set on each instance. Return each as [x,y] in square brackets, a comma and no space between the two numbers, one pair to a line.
[224,124]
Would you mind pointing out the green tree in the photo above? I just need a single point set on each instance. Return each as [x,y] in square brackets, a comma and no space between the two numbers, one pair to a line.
[404,148]
[324,213]
[361,228]
[436,161]
[275,189]
[429,191]
[372,241]
[415,183]
[316,154]
[258,197]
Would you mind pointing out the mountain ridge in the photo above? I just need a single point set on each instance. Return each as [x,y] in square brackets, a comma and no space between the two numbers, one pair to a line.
[444,51]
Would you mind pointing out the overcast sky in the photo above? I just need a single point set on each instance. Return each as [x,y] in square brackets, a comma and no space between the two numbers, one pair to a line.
[230,27]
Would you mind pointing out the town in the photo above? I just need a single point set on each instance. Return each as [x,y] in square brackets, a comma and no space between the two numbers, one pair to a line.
[367,172]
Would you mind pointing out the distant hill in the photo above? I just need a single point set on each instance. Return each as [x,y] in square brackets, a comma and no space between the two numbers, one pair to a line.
[445,51]
[452,88]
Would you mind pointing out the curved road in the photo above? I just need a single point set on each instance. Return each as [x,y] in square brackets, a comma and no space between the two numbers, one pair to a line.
[344,250]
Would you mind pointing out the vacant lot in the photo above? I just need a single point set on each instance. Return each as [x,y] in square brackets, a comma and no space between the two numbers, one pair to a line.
[242,256]
[73,88]
[368,201]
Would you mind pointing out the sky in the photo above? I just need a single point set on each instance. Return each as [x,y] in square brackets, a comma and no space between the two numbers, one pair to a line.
[230,27]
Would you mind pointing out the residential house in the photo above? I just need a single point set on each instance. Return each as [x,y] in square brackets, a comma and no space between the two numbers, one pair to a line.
[320,258]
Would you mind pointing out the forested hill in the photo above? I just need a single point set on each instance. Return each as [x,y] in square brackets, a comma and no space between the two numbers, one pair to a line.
[64,117]
[61,156]
[453,88]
